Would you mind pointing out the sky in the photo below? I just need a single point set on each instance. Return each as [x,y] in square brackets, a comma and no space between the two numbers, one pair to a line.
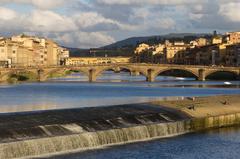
[95,23]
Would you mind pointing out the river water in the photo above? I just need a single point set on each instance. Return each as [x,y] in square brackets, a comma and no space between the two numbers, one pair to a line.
[113,89]
[215,144]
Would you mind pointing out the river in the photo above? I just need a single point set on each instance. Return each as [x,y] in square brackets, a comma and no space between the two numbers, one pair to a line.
[113,89]
[222,143]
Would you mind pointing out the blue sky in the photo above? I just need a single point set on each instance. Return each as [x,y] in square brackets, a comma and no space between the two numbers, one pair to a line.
[94,23]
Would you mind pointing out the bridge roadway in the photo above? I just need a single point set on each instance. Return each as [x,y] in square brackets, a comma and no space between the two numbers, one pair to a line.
[150,71]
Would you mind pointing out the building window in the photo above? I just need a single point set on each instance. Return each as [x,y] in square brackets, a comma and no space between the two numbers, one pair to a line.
[14,51]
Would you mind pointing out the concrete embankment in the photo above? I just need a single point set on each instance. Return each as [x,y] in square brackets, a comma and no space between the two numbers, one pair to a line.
[205,106]
[43,133]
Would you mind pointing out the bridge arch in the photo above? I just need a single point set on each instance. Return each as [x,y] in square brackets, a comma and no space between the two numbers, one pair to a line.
[187,71]
[61,71]
[21,75]
[223,74]
[4,76]
[113,68]
[132,70]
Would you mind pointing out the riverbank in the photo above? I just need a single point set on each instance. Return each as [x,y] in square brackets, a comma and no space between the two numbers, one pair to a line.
[58,131]
[200,107]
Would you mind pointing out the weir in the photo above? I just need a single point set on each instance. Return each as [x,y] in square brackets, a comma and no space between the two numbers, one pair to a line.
[68,130]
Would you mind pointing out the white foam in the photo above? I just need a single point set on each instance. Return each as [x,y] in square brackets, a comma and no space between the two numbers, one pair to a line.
[227,83]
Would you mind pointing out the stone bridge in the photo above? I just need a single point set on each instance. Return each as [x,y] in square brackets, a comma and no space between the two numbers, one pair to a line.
[150,71]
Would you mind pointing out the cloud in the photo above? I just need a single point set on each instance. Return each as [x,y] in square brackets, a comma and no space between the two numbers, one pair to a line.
[149,2]
[221,15]
[41,4]
[47,4]
[85,40]
[7,14]
[48,21]
[93,23]
[230,11]
[80,30]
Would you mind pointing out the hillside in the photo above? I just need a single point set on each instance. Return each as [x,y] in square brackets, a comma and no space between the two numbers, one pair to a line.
[126,47]
[134,41]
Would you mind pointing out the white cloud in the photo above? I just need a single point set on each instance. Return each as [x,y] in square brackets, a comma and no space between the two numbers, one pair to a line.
[85,40]
[150,2]
[230,11]
[41,4]
[165,23]
[48,21]
[47,4]
[89,19]
[81,23]
[7,14]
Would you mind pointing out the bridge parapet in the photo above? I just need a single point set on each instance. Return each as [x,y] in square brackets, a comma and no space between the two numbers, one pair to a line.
[150,71]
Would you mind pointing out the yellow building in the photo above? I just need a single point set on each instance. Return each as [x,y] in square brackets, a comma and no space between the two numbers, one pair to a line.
[28,51]
[64,54]
[74,61]
[158,49]
[217,40]
[233,37]
[142,47]
[175,53]
[201,41]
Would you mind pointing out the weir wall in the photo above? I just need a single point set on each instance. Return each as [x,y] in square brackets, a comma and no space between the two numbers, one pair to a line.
[91,140]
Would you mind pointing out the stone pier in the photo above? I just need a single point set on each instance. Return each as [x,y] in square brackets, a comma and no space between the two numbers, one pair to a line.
[201,75]
[150,76]
[92,75]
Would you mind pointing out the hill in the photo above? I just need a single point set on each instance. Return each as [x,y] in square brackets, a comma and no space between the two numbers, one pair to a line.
[127,46]
[134,41]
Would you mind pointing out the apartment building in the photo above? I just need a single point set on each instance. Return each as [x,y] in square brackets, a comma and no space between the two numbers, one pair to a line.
[30,51]
[175,53]
[233,55]
[233,37]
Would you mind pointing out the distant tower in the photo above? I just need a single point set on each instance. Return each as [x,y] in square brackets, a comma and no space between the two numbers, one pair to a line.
[214,33]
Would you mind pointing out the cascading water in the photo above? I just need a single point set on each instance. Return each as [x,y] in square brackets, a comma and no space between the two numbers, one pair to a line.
[89,140]
[82,135]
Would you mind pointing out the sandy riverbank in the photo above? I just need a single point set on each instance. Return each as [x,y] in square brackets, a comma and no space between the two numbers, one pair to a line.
[200,107]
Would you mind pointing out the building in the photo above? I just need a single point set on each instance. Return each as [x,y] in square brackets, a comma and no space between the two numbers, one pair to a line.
[175,53]
[158,49]
[219,50]
[233,37]
[222,53]
[64,54]
[207,55]
[217,40]
[233,55]
[202,42]
[141,48]
[74,61]
[13,54]
[30,51]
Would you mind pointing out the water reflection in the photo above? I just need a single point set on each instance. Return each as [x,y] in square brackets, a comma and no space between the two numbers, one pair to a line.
[70,92]
[161,81]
